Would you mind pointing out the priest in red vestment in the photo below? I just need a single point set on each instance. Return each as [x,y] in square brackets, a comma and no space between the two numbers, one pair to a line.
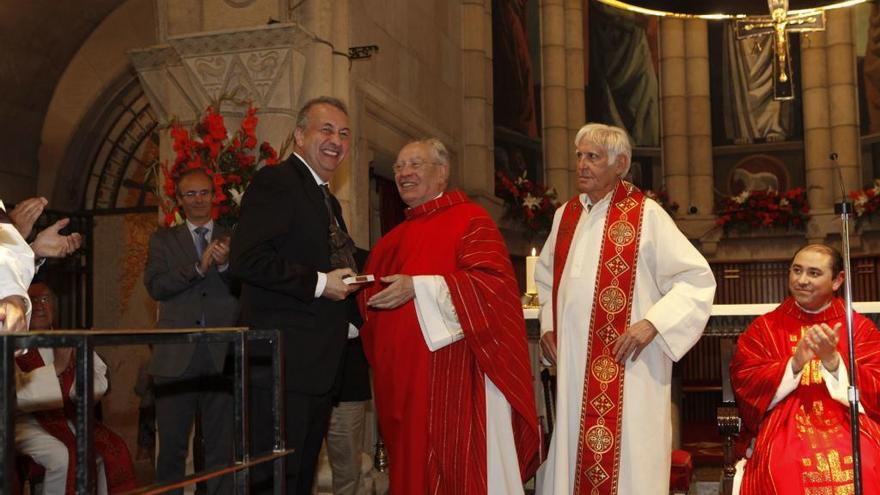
[790,377]
[445,337]
[44,424]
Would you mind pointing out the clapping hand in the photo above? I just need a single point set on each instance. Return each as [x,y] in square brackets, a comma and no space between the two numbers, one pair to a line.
[803,354]
[823,342]
[220,251]
[13,314]
[207,259]
[50,243]
[26,213]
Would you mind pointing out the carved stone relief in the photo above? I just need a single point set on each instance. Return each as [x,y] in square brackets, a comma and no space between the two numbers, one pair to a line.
[263,66]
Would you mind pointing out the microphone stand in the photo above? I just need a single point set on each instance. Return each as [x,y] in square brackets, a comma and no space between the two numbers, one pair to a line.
[845,208]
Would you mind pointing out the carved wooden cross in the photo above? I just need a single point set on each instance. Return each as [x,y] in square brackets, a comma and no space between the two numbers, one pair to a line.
[778,25]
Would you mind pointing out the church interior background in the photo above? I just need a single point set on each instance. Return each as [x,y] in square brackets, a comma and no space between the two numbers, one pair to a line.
[89,87]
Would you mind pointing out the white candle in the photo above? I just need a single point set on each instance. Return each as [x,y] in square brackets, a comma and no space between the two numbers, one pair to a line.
[531,262]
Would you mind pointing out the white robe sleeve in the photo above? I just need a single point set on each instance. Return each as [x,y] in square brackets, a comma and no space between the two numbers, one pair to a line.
[544,275]
[38,389]
[16,266]
[436,312]
[837,383]
[789,383]
[684,278]
[100,379]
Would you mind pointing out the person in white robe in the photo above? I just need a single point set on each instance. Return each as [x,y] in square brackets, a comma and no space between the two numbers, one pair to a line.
[40,390]
[671,302]
[17,257]
[16,271]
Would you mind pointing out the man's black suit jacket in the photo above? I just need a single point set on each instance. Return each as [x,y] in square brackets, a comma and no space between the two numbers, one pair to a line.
[279,245]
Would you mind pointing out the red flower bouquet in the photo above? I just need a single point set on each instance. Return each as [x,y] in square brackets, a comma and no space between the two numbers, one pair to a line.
[866,202]
[756,209]
[529,203]
[230,162]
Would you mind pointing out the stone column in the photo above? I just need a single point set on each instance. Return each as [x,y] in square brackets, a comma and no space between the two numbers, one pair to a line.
[674,104]
[317,18]
[843,99]
[476,164]
[557,147]
[817,135]
[699,118]
[350,185]
[574,79]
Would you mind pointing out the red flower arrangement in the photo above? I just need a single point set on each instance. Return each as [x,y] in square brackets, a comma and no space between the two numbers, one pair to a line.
[530,203]
[866,202]
[756,209]
[230,163]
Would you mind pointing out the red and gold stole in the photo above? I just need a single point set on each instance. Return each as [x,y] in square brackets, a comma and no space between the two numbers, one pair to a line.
[598,457]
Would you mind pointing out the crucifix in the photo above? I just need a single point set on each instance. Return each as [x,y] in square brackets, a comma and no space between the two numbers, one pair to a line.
[778,25]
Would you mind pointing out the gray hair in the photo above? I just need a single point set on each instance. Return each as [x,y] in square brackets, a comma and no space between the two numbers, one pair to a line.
[302,117]
[613,139]
[439,152]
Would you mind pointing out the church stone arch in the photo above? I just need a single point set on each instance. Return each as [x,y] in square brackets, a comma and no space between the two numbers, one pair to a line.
[98,71]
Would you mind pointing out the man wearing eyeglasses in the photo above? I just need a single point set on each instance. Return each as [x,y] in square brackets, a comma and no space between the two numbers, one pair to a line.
[186,273]
[45,401]
[445,337]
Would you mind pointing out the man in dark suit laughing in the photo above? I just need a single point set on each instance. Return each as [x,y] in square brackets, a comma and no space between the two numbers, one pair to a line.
[291,251]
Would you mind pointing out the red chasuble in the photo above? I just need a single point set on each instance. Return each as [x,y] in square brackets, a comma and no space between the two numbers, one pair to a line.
[432,405]
[803,443]
[118,465]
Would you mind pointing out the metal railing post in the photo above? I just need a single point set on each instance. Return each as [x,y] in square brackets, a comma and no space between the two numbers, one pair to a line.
[85,419]
[7,406]
[240,410]
[278,395]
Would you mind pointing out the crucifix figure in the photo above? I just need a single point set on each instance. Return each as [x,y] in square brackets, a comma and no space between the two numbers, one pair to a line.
[778,25]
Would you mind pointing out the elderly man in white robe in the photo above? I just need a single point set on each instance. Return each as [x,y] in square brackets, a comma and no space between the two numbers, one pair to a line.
[603,321]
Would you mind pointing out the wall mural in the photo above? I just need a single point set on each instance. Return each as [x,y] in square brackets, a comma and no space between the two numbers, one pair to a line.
[624,72]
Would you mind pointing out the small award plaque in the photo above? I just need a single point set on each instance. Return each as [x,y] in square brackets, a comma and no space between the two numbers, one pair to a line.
[359,279]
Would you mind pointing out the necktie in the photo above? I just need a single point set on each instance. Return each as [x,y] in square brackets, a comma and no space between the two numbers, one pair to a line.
[325,190]
[341,246]
[201,240]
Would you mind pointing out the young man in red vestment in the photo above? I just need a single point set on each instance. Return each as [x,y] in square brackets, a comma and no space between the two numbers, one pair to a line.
[790,377]
[445,337]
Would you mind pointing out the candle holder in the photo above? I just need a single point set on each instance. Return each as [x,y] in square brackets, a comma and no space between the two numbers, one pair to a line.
[530,300]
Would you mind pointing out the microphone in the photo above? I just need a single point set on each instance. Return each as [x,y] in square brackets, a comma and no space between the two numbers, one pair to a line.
[837,167]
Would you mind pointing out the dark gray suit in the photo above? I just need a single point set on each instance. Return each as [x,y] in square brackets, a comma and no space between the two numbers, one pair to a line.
[189,378]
